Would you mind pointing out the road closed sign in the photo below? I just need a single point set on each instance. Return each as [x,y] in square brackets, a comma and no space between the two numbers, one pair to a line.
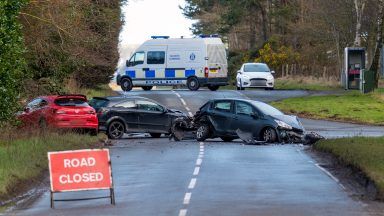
[80,170]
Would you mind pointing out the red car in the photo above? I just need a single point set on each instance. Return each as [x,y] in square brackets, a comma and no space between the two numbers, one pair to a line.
[60,111]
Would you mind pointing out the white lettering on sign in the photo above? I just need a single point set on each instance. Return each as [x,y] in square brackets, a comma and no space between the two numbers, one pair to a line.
[83,178]
[83,162]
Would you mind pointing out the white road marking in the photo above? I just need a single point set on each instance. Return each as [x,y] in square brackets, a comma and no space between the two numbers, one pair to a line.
[187,198]
[330,175]
[187,108]
[196,171]
[190,114]
[192,183]
[183,212]
[183,101]
[201,156]
[199,161]
[201,143]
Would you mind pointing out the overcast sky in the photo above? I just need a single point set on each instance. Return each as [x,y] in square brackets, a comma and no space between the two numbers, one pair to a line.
[145,18]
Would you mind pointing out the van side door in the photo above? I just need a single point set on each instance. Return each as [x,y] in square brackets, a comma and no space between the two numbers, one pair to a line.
[155,65]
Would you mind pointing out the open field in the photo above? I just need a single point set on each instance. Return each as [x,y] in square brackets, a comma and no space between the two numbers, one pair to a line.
[306,83]
[24,160]
[362,153]
[350,107]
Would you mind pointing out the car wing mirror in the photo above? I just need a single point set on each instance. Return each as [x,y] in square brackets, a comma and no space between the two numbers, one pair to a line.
[255,115]
[239,72]
[27,109]
[272,72]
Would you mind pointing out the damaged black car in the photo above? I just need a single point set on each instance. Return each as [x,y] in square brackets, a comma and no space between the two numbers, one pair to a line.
[251,121]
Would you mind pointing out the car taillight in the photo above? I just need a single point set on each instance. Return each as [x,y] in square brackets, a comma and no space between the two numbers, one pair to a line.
[91,112]
[57,111]
[206,72]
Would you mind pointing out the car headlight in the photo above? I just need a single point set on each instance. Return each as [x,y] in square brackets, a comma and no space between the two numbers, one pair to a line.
[269,77]
[283,125]
[244,77]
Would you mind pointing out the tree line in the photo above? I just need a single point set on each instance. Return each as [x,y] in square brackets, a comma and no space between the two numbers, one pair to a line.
[295,37]
[50,46]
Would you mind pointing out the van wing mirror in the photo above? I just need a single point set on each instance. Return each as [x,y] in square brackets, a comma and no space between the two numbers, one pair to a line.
[127,63]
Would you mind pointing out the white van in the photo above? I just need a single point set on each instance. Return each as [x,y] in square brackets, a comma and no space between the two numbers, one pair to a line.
[162,61]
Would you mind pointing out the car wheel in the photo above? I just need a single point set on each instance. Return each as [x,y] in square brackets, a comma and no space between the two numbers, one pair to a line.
[115,130]
[227,139]
[202,132]
[147,88]
[93,132]
[43,124]
[155,135]
[126,84]
[269,135]
[193,84]
[213,87]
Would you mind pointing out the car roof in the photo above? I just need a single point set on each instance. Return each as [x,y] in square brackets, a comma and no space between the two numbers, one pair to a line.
[117,99]
[236,99]
[256,63]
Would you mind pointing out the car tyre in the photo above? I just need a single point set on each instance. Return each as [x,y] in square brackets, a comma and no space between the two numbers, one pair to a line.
[213,87]
[227,139]
[240,88]
[193,84]
[116,130]
[155,135]
[269,135]
[126,84]
[203,132]
[147,88]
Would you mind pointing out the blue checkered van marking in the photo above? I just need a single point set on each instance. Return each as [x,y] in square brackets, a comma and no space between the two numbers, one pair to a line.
[131,74]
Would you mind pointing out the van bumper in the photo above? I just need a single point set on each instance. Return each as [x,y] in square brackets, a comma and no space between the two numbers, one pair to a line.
[217,81]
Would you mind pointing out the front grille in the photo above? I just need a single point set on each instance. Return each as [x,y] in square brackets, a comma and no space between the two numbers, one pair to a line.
[258,82]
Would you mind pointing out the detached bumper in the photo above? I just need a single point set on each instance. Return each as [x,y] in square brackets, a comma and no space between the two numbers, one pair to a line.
[219,81]
[290,136]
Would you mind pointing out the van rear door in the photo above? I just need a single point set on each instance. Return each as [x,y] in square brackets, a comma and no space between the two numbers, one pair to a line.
[217,60]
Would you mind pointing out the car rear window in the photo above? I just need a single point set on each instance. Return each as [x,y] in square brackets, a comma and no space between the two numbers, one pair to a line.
[98,102]
[71,102]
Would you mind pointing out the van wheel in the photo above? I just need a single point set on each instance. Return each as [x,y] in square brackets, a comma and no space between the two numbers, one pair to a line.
[193,84]
[147,88]
[126,84]
[213,87]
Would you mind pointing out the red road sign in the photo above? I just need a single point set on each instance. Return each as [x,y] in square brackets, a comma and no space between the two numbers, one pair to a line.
[88,169]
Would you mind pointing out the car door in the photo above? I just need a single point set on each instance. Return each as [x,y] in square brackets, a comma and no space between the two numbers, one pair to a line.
[221,113]
[29,115]
[246,118]
[152,117]
[128,111]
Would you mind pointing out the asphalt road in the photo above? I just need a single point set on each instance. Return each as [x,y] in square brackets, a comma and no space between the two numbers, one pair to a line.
[162,177]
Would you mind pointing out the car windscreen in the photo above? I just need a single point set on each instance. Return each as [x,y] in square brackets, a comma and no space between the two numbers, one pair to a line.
[78,102]
[256,68]
[98,102]
[267,109]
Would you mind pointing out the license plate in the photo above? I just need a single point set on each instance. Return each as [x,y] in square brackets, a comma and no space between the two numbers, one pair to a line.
[77,122]
[213,71]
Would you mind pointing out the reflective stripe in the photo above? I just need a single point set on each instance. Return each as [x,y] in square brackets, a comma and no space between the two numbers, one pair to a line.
[168,73]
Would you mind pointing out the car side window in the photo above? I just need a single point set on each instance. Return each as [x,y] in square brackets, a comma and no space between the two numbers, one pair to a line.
[34,104]
[223,106]
[136,59]
[156,57]
[126,104]
[149,106]
[243,108]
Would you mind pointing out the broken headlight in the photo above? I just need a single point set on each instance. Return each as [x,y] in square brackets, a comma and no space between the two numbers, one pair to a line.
[283,125]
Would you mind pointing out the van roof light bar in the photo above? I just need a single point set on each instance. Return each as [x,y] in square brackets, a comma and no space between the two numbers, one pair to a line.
[159,37]
[209,36]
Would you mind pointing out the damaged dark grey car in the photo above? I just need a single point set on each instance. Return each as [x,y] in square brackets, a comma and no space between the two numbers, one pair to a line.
[252,121]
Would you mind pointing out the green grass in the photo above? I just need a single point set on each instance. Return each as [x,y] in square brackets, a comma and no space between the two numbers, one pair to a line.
[100,91]
[350,107]
[302,84]
[365,154]
[23,161]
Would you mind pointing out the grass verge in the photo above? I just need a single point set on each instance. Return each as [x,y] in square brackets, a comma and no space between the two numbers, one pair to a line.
[351,107]
[362,153]
[23,161]
[100,91]
[306,83]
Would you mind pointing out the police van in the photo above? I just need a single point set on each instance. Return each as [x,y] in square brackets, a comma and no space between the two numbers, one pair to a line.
[162,61]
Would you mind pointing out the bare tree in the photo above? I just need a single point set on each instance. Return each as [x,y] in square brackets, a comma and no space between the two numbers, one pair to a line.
[359,7]
[379,43]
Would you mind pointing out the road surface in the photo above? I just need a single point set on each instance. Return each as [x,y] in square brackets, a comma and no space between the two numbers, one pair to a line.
[162,177]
